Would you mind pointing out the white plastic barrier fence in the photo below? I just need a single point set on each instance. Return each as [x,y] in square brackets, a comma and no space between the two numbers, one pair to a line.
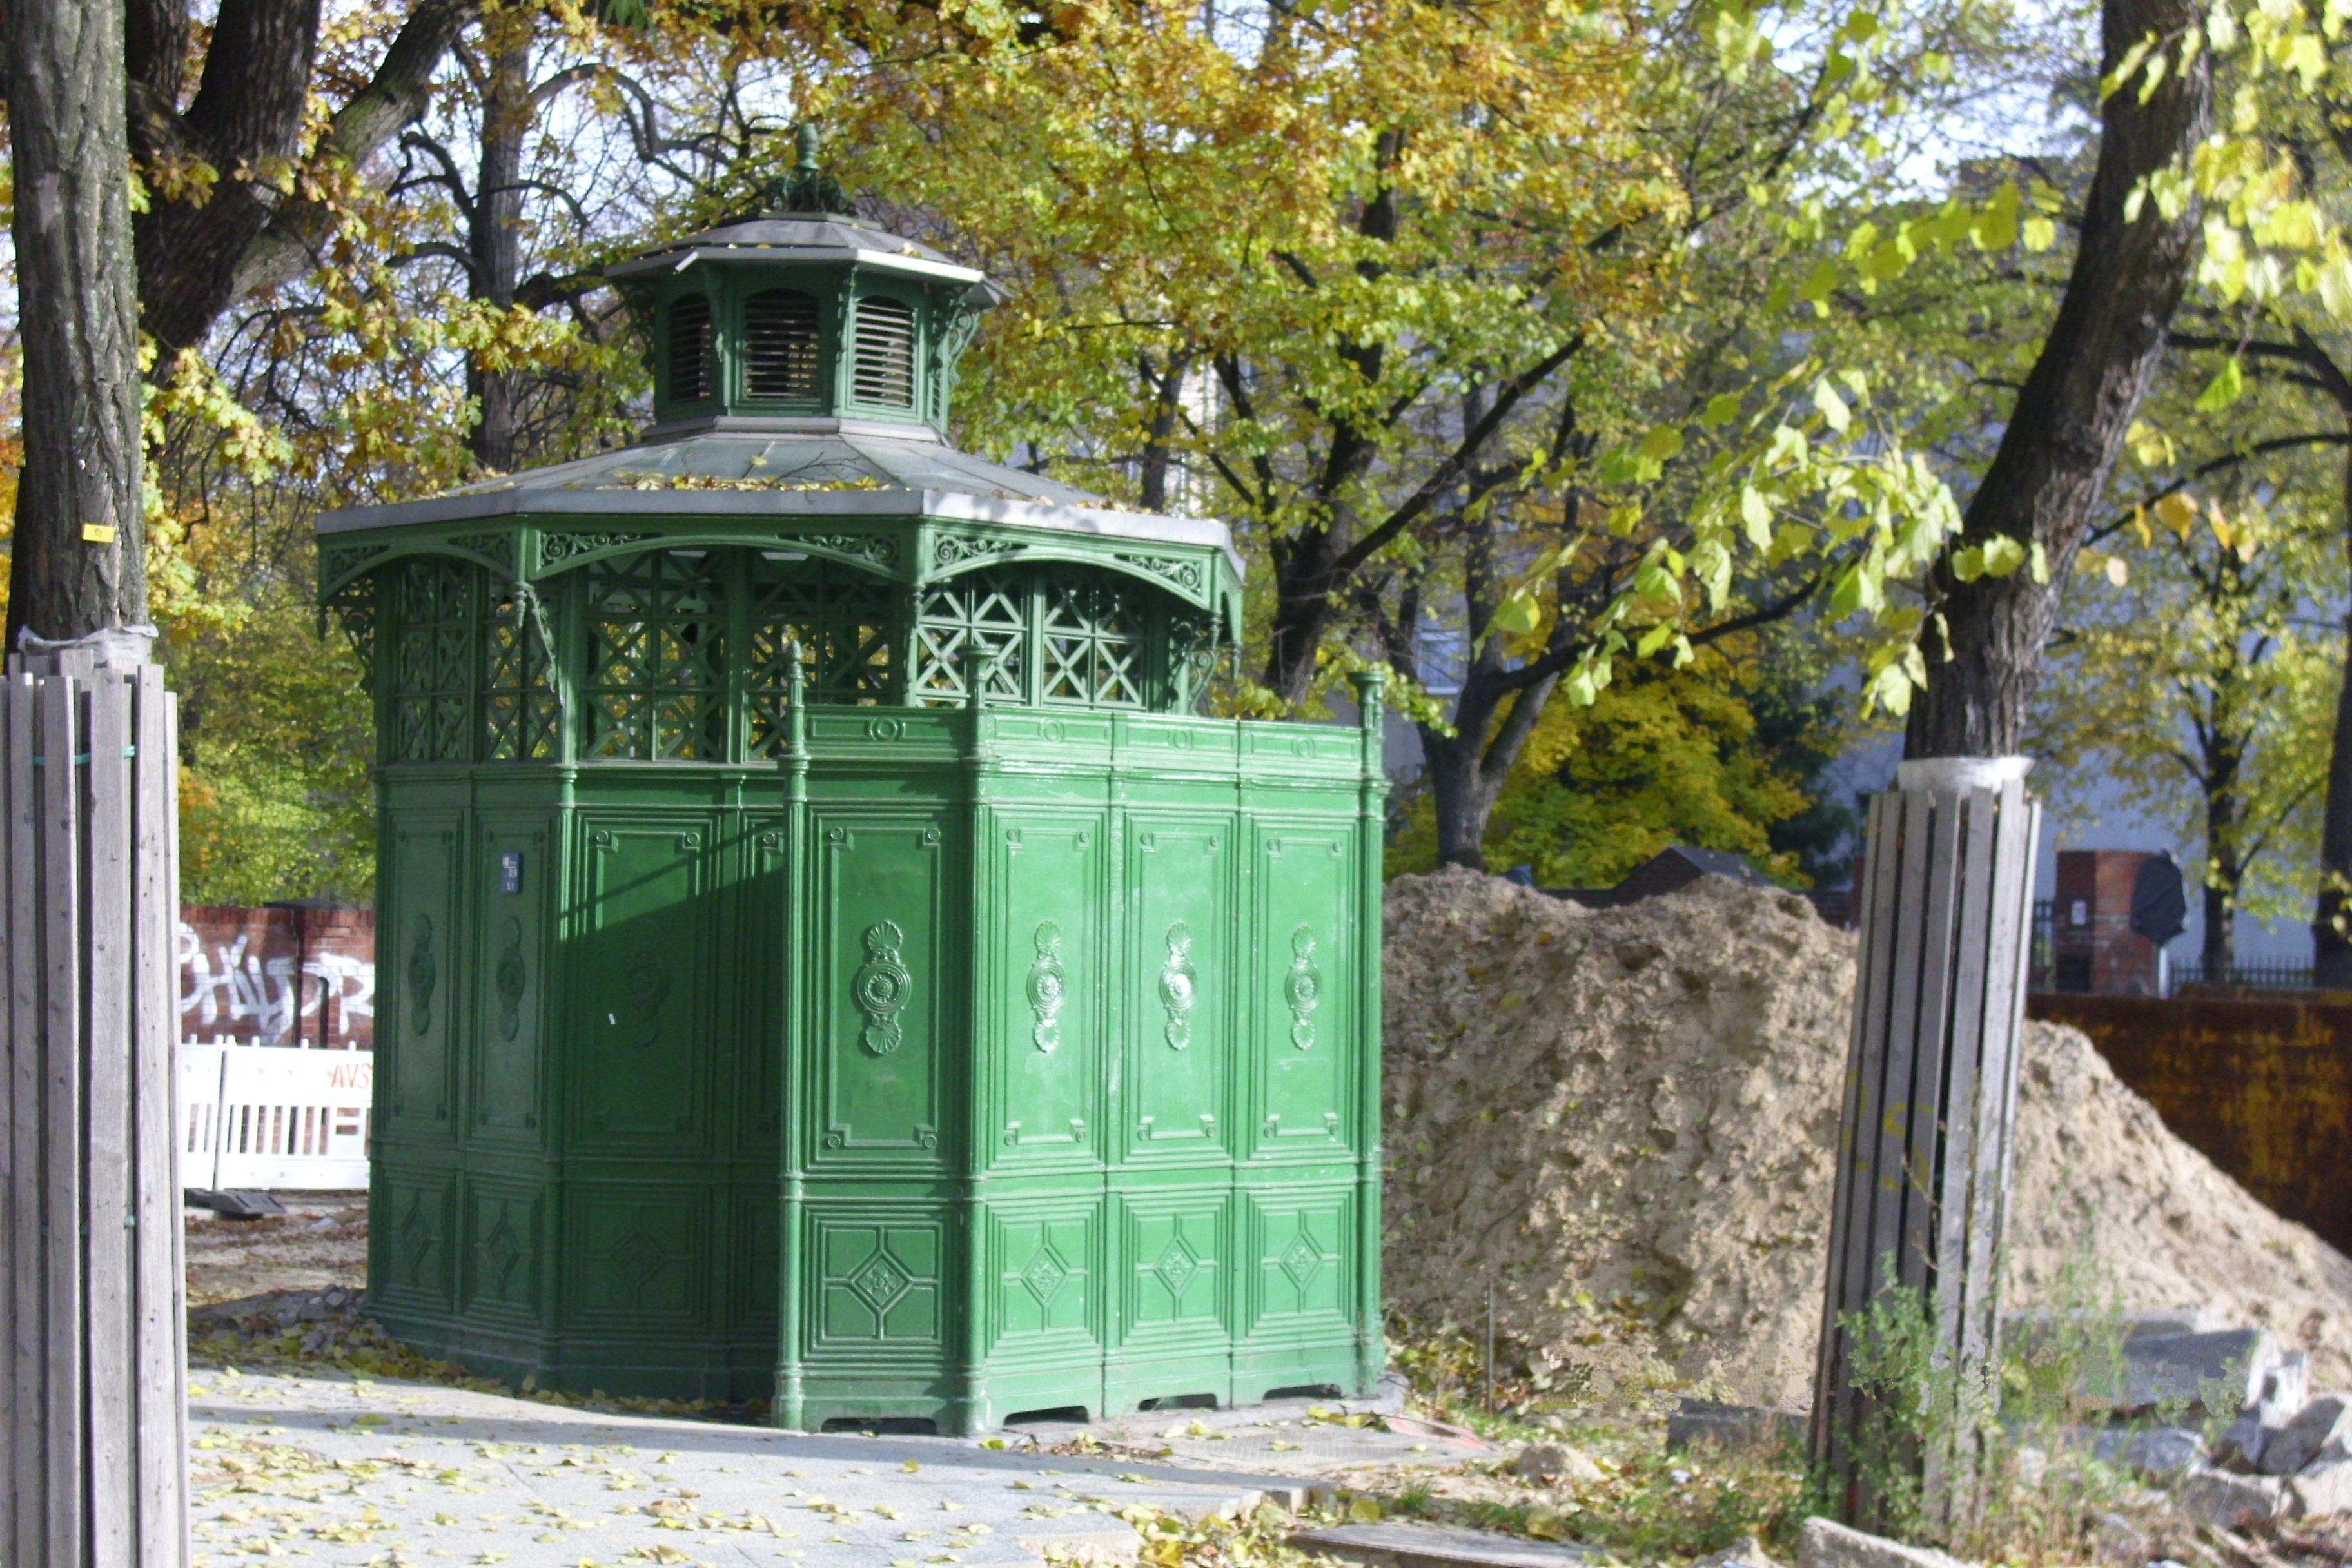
[265,1116]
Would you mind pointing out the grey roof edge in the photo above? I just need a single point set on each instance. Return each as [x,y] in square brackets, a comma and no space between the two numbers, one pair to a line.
[948,505]
[789,424]
[875,260]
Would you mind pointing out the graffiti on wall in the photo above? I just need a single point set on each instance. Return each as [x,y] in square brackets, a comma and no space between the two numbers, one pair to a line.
[280,975]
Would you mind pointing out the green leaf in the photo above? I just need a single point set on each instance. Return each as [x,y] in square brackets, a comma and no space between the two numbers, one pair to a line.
[2002,556]
[2225,388]
[2336,287]
[1755,513]
[1661,444]
[1833,408]
[1995,227]
[1721,409]
[1518,614]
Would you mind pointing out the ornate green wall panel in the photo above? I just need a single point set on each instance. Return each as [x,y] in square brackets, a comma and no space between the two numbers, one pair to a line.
[822,954]
[1043,953]
[887,980]
[765,1014]
[509,975]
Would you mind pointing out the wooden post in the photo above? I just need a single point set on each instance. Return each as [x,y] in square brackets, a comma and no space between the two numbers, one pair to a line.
[92,1407]
[1923,1145]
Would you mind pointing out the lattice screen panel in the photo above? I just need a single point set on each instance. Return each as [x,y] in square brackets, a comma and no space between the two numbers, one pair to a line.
[520,712]
[982,612]
[843,619]
[435,604]
[1091,643]
[656,684]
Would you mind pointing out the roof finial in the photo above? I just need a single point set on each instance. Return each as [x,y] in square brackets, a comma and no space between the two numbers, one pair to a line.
[808,188]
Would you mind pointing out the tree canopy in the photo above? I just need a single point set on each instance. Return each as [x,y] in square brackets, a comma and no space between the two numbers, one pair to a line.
[1552,354]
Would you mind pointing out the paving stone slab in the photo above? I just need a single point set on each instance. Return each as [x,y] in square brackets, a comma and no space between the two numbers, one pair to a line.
[1299,1437]
[1440,1546]
[398,1475]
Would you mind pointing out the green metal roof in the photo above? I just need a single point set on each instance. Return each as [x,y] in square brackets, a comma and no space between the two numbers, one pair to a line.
[776,467]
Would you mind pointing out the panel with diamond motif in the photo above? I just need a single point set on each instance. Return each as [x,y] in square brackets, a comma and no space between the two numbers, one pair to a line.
[657,659]
[1043,1265]
[433,659]
[986,611]
[1091,646]
[842,619]
[519,709]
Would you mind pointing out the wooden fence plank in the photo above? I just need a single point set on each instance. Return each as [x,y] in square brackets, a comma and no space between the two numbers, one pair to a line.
[108,1089]
[159,1367]
[170,914]
[28,1304]
[1836,1404]
[1888,1112]
[1922,1113]
[61,1171]
[15,1192]
[2007,953]
[1977,856]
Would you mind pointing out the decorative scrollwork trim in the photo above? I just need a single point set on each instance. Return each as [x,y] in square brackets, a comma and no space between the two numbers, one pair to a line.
[955,549]
[339,562]
[1176,571]
[876,549]
[554,549]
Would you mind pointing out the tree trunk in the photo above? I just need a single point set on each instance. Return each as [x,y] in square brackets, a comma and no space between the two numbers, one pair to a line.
[2068,427]
[1307,582]
[1167,402]
[2224,877]
[246,116]
[495,232]
[2331,940]
[79,562]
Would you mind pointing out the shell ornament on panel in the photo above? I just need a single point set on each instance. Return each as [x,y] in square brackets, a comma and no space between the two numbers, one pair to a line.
[880,987]
[1302,988]
[1179,986]
[1049,986]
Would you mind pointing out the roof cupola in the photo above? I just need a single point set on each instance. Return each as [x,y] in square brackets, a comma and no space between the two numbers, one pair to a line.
[803,317]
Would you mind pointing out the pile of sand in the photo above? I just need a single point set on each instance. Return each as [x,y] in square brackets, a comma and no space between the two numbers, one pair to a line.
[1624,1120]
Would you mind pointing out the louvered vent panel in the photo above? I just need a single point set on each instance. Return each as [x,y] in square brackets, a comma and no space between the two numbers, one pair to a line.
[885,352]
[689,350]
[780,344]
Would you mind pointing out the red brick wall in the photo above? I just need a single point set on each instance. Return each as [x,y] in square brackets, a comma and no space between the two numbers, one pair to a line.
[2099,951]
[284,974]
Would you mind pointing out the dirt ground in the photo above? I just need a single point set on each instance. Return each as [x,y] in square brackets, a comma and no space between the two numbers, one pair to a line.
[1622,1120]
[321,1241]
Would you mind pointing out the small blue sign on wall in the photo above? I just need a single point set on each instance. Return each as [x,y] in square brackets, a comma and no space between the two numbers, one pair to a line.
[511,871]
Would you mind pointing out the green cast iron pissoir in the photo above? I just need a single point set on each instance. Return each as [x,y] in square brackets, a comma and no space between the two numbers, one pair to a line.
[823,955]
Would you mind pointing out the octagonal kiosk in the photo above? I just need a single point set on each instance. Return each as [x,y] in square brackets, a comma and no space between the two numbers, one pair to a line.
[824,954]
